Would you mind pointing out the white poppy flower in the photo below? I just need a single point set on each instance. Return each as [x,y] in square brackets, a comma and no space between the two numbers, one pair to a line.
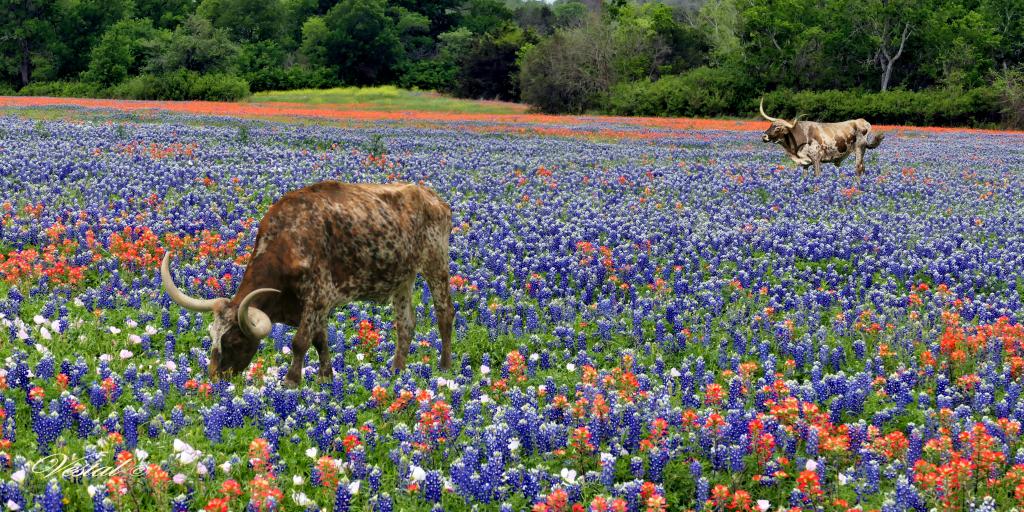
[568,476]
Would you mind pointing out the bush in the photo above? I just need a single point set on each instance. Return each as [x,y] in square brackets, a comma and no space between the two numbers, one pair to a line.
[281,79]
[182,85]
[219,88]
[702,91]
[718,92]
[62,89]
[933,107]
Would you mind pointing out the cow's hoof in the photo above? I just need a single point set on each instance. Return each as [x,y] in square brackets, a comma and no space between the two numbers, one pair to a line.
[326,375]
[290,383]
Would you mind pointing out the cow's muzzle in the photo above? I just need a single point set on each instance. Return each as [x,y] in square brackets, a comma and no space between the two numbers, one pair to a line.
[764,138]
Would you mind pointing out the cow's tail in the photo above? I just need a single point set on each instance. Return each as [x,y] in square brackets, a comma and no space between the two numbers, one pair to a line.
[876,141]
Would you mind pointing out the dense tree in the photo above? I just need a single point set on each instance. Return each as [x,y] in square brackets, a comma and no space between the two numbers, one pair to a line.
[27,34]
[196,46]
[362,43]
[124,50]
[246,20]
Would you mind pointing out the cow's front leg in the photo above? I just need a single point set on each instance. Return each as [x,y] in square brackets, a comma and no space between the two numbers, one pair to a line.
[860,160]
[307,331]
[405,324]
[817,167]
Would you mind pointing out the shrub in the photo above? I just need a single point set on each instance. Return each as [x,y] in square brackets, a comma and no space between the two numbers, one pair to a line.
[703,91]
[182,85]
[62,89]
[933,107]
[285,79]
[218,87]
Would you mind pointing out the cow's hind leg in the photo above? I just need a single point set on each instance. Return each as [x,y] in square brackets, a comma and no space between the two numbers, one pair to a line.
[444,310]
[405,325]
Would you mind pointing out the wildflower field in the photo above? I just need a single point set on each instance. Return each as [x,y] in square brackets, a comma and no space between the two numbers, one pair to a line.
[649,317]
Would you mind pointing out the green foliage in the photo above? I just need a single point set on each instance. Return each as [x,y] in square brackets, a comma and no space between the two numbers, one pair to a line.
[703,91]
[282,79]
[196,46]
[182,85]
[974,107]
[61,89]
[246,20]
[123,50]
[1010,87]
[571,71]
[361,42]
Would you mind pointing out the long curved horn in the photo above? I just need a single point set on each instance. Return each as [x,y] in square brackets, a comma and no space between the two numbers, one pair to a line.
[178,296]
[253,322]
[775,119]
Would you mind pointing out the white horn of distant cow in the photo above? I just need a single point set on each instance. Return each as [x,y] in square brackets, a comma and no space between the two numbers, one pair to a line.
[773,119]
[253,322]
[178,296]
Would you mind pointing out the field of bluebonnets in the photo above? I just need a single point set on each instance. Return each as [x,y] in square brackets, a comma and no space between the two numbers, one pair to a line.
[647,320]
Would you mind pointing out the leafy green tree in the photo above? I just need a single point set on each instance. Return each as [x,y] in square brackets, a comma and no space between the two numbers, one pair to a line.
[570,14]
[315,37]
[1007,19]
[165,13]
[246,20]
[482,16]
[719,21]
[79,26]
[571,71]
[443,14]
[489,68]
[123,51]
[196,46]
[27,35]
[362,43]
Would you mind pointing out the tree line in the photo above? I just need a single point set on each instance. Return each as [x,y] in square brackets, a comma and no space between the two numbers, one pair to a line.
[936,61]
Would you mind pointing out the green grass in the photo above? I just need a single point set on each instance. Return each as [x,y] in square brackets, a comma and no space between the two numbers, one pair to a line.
[387,99]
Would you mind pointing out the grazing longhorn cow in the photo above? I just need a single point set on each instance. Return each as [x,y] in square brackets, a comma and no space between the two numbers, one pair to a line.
[322,246]
[809,143]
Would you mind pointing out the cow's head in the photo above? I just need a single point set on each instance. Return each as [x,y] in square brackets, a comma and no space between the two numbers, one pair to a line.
[236,330]
[779,129]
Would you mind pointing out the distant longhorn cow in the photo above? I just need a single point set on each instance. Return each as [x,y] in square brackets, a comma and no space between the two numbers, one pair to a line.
[808,143]
[322,246]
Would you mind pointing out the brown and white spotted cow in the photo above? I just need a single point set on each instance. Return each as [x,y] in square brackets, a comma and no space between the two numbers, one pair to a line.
[808,143]
[322,246]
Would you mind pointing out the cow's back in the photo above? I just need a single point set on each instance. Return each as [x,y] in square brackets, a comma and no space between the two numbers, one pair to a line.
[369,238]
